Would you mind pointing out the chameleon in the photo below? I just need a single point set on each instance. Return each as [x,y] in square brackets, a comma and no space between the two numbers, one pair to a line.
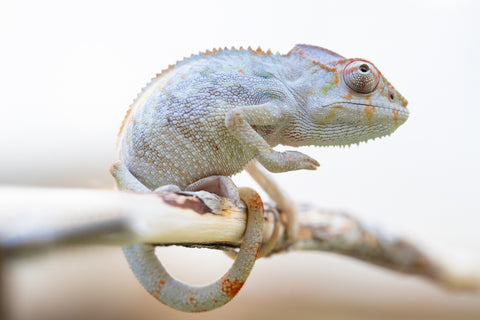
[210,115]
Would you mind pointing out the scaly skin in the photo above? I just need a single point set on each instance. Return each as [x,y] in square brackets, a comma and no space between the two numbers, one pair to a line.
[183,126]
[215,112]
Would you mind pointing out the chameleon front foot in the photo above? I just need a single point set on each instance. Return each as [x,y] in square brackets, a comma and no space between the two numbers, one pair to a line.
[181,296]
[276,161]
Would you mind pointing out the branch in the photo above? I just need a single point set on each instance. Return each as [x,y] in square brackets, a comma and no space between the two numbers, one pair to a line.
[36,219]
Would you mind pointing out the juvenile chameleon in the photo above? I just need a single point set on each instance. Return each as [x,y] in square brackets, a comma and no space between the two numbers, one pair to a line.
[215,112]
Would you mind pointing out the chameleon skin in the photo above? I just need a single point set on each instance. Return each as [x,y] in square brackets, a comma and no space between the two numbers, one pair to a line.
[181,128]
[212,114]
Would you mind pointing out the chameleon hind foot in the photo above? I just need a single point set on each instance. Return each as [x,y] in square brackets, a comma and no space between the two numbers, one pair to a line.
[219,185]
[224,186]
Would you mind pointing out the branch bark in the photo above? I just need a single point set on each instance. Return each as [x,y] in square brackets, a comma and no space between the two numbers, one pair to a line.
[37,219]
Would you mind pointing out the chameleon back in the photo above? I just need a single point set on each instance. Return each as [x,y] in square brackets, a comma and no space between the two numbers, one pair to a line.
[175,131]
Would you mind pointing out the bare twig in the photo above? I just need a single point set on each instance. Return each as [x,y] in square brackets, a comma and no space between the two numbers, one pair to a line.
[33,219]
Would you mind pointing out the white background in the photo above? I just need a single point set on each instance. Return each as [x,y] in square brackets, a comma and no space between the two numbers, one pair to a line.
[68,72]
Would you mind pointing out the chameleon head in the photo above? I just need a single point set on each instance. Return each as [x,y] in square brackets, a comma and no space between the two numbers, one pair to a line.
[350,100]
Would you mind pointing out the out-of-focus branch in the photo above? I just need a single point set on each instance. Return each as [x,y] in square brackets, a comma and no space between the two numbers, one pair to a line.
[35,219]
[341,233]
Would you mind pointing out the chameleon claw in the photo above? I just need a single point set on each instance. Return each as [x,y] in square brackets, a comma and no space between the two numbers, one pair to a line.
[181,296]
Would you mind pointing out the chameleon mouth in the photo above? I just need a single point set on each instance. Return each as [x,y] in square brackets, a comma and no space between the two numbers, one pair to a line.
[403,111]
[372,112]
[346,123]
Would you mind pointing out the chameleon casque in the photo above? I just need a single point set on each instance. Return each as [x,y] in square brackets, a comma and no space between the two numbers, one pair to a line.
[210,115]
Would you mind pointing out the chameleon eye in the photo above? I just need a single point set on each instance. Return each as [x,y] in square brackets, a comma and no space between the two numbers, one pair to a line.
[361,76]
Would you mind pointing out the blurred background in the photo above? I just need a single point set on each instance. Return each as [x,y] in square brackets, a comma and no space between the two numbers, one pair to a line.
[69,70]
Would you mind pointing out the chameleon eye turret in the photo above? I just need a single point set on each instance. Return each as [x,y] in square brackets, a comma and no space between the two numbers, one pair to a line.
[361,76]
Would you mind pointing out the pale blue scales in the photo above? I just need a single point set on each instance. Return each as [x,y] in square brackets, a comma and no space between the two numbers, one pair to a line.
[179,135]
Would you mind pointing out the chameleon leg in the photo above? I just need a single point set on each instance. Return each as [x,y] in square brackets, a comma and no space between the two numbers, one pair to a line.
[239,123]
[174,293]
[284,202]
[125,179]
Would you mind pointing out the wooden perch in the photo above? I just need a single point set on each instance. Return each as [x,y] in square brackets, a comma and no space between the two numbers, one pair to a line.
[35,219]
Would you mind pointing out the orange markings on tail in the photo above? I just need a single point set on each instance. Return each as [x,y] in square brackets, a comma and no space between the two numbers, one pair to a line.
[231,288]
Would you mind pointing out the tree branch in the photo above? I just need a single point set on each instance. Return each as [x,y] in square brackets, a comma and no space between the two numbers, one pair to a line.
[36,219]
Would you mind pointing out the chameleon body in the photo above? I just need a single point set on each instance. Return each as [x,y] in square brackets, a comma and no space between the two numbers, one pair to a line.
[176,130]
[213,113]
